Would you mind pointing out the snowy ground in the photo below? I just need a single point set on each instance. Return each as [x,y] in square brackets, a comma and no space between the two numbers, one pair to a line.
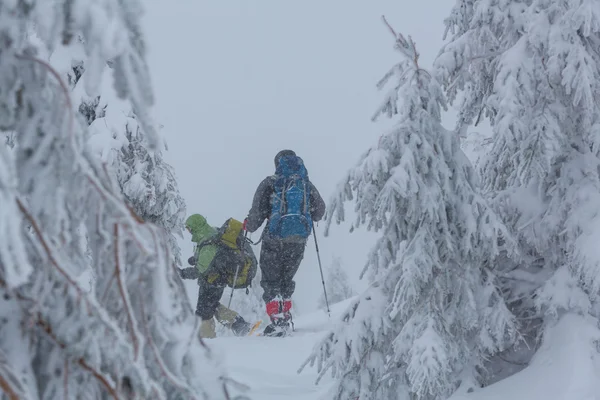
[566,367]
[268,366]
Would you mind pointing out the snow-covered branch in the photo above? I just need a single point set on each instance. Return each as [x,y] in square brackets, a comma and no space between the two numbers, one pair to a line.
[82,265]
[433,313]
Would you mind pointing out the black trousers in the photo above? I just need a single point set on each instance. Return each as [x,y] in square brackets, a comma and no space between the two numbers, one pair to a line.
[209,296]
[279,263]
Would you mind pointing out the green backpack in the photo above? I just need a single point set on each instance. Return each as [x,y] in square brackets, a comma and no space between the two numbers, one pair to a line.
[234,251]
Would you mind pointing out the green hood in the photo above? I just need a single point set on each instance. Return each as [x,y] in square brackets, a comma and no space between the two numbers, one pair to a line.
[200,229]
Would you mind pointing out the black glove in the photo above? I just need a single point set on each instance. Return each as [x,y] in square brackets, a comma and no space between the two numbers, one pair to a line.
[192,261]
[189,273]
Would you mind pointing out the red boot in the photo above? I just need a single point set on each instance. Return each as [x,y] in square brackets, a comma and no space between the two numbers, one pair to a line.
[287,305]
[273,309]
[279,313]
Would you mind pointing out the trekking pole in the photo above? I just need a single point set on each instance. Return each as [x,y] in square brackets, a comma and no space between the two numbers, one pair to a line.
[237,271]
[321,269]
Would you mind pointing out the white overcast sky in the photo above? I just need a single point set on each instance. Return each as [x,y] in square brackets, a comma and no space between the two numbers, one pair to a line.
[238,80]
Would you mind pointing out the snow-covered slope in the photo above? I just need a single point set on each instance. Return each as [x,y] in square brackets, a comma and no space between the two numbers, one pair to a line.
[566,367]
[269,366]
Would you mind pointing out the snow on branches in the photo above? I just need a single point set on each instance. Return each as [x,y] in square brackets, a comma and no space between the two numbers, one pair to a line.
[149,184]
[534,66]
[88,288]
[433,312]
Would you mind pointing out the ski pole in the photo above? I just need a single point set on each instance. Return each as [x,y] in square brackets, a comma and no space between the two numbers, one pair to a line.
[237,271]
[321,269]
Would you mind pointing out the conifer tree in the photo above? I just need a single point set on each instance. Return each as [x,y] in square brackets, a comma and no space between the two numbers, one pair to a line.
[145,179]
[131,334]
[149,185]
[533,68]
[432,312]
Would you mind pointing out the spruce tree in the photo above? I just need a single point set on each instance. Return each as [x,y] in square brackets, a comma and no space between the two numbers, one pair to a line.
[145,179]
[533,68]
[432,312]
[62,217]
[149,185]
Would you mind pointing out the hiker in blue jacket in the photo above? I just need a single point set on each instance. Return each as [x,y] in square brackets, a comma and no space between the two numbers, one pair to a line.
[290,203]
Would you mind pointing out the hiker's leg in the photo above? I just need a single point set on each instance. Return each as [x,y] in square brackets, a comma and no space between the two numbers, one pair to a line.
[226,316]
[289,257]
[208,299]
[292,256]
[207,329]
[271,268]
[232,320]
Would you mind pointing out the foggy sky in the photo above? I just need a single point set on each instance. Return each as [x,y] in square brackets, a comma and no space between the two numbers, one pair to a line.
[236,81]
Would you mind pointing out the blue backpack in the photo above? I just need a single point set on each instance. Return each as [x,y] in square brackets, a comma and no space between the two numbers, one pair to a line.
[290,218]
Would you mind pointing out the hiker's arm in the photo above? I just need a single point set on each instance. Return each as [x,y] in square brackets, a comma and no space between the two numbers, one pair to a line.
[317,205]
[189,273]
[260,205]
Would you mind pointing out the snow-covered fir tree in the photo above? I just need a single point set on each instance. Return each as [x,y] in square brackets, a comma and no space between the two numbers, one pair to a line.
[133,334]
[90,108]
[149,185]
[146,180]
[337,285]
[433,312]
[533,67]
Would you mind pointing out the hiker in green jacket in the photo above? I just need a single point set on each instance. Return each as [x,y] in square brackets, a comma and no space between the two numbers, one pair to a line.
[219,253]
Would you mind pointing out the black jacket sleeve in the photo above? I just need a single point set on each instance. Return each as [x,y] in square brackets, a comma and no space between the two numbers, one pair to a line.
[261,205]
[189,273]
[317,205]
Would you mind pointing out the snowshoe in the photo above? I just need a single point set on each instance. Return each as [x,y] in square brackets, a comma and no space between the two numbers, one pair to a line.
[242,328]
[254,328]
[280,325]
[274,330]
